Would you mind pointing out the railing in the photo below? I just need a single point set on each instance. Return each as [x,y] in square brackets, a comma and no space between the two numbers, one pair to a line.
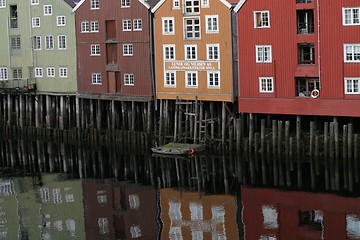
[305,28]
[304,1]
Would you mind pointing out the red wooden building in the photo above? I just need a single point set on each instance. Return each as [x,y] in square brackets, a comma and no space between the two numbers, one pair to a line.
[289,48]
[114,47]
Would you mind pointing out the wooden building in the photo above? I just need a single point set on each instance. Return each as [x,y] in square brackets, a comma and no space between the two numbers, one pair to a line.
[299,57]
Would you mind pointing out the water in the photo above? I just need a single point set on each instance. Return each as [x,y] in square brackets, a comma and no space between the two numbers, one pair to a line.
[51,190]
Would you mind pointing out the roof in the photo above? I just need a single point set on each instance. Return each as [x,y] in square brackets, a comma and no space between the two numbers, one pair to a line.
[147,4]
[239,5]
[71,3]
[228,4]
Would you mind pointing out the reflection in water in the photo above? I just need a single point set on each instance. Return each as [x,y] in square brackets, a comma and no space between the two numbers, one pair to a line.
[54,190]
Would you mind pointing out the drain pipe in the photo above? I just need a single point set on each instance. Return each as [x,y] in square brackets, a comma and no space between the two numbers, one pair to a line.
[318,39]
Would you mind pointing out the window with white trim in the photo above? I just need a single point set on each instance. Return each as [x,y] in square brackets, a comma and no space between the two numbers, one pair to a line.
[176,4]
[192,6]
[3,73]
[351,52]
[95,50]
[261,19]
[34,2]
[127,50]
[352,85]
[191,78]
[190,52]
[204,3]
[17,73]
[129,79]
[212,52]
[35,22]
[38,72]
[266,84]
[36,42]
[63,72]
[49,42]
[126,24]
[137,24]
[169,79]
[213,79]
[2,3]
[61,42]
[94,4]
[351,16]
[85,27]
[192,28]
[263,53]
[168,25]
[50,72]
[212,23]
[96,78]
[169,52]
[15,42]
[125,3]
[61,21]
[47,10]
[94,26]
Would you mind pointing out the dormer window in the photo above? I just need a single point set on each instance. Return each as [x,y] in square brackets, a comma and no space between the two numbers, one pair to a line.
[192,6]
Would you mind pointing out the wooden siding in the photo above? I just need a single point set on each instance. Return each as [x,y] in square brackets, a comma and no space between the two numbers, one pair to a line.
[224,65]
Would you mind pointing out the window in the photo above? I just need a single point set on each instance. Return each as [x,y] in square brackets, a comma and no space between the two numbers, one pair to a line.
[36,42]
[305,21]
[62,42]
[168,25]
[176,4]
[192,28]
[17,73]
[61,21]
[212,24]
[192,6]
[352,52]
[261,19]
[266,84]
[169,52]
[85,26]
[125,3]
[137,24]
[94,26]
[3,73]
[34,2]
[63,72]
[96,78]
[47,10]
[35,22]
[127,50]
[2,3]
[212,52]
[49,42]
[170,79]
[94,4]
[190,52]
[306,53]
[50,71]
[126,25]
[13,16]
[351,16]
[352,85]
[15,42]
[129,79]
[191,79]
[204,3]
[213,79]
[38,71]
[263,53]
[95,50]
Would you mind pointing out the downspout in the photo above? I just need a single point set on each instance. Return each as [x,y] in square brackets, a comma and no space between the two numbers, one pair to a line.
[318,38]
[152,59]
[9,53]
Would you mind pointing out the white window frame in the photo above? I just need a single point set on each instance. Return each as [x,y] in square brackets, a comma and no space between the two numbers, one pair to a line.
[169,52]
[176,4]
[129,79]
[194,33]
[95,50]
[354,53]
[84,27]
[351,16]
[35,22]
[47,10]
[94,4]
[50,72]
[170,79]
[17,73]
[191,8]
[263,14]
[15,42]
[49,42]
[2,3]
[38,71]
[168,26]
[205,3]
[212,23]
[193,75]
[352,84]
[34,2]
[94,26]
[126,25]
[62,42]
[266,81]
[137,24]
[3,74]
[261,51]
[36,43]
[211,83]
[190,52]
[213,52]
[63,72]
[61,21]
[128,49]
[125,3]
[96,78]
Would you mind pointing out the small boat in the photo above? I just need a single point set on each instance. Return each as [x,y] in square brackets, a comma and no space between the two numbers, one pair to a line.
[178,149]
[171,151]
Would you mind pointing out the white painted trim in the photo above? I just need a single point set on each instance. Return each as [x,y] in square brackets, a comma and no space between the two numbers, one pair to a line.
[239,5]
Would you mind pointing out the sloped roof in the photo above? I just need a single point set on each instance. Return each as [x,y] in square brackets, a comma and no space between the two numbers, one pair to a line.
[71,3]
[147,4]
[228,4]
[239,5]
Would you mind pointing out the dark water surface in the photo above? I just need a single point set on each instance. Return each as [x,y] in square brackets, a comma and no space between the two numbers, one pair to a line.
[59,191]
